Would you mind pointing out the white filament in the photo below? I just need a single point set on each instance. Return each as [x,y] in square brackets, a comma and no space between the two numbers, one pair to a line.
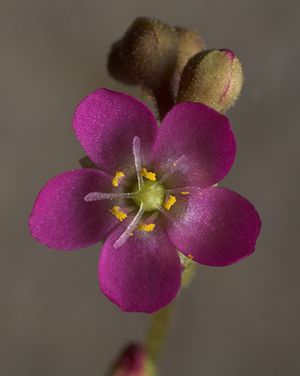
[174,166]
[96,196]
[136,148]
[127,233]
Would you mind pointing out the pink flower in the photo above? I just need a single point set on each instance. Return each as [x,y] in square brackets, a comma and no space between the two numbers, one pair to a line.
[154,193]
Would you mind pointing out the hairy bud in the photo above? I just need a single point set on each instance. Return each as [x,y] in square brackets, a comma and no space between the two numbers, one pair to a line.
[146,54]
[117,65]
[212,77]
[133,361]
[189,43]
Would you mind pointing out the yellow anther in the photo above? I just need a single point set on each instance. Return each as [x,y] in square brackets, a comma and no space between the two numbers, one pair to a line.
[146,227]
[118,213]
[117,178]
[169,202]
[184,193]
[148,174]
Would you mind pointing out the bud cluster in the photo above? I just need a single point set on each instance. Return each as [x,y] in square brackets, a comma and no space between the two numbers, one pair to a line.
[170,63]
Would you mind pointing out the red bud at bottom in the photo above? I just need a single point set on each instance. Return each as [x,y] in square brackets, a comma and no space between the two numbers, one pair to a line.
[133,361]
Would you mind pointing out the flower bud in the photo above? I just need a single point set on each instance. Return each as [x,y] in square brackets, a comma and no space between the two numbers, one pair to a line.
[189,43]
[145,55]
[117,65]
[212,77]
[133,361]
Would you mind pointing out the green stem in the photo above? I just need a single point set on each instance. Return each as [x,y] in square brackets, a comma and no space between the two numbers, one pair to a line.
[162,320]
[158,331]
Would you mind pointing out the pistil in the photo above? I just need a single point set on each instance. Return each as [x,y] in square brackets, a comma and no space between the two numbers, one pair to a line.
[96,196]
[136,149]
[152,196]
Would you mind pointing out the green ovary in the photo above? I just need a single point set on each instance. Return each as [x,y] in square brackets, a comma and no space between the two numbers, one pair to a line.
[152,195]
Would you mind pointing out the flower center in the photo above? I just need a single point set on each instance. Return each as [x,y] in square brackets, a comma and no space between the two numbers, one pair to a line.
[148,194]
[151,195]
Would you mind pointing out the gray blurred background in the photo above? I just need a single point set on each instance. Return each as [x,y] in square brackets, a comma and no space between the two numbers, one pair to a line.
[239,320]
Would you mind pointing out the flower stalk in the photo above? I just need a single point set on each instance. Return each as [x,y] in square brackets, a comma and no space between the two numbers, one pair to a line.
[157,332]
[162,320]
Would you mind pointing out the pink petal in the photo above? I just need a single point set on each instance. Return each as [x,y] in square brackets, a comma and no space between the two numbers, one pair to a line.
[143,275]
[106,122]
[216,226]
[201,138]
[62,219]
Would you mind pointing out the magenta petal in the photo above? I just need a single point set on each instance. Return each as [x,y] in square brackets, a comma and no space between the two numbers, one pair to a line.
[106,122]
[216,226]
[204,139]
[61,218]
[143,275]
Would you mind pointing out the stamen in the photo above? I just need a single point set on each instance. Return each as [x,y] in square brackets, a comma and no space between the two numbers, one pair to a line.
[174,166]
[146,227]
[127,233]
[136,148]
[118,213]
[165,212]
[117,178]
[152,217]
[183,190]
[148,174]
[169,202]
[95,196]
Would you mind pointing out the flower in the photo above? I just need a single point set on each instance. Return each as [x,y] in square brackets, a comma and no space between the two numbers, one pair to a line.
[154,192]
[133,361]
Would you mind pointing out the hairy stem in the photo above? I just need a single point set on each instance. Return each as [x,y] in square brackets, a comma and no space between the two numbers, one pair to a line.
[164,100]
[162,320]
[158,331]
